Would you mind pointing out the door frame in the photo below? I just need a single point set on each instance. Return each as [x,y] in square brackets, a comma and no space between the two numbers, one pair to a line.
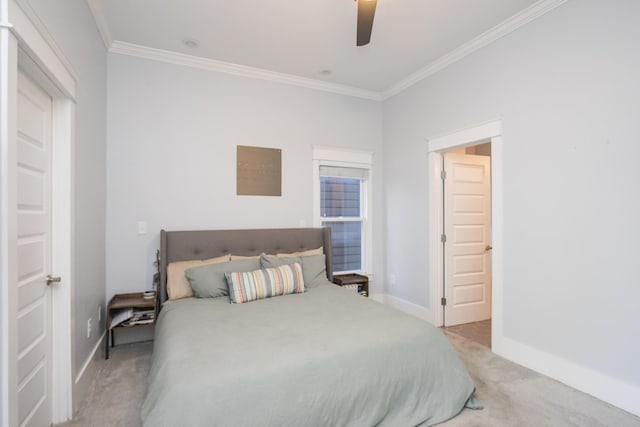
[486,132]
[28,47]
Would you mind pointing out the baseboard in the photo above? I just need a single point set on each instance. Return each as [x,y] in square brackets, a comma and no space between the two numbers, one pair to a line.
[603,387]
[405,306]
[87,374]
[377,297]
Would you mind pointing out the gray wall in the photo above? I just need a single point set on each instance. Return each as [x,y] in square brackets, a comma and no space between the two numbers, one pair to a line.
[566,86]
[72,26]
[171,155]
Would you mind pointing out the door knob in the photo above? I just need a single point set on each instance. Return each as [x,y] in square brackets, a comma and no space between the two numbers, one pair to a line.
[488,248]
[51,280]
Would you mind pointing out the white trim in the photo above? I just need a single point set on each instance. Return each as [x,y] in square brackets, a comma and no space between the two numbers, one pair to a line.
[123,48]
[346,157]
[405,306]
[378,297]
[342,155]
[27,44]
[100,18]
[608,389]
[466,136]
[8,229]
[62,226]
[315,188]
[611,390]
[435,229]
[86,378]
[506,27]
[92,356]
[37,42]
[435,147]
[490,130]
[497,242]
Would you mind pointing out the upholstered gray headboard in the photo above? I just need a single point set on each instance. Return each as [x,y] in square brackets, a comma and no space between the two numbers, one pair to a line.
[203,244]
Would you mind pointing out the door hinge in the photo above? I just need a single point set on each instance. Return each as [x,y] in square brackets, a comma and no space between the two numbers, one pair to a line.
[443,301]
[443,175]
[443,238]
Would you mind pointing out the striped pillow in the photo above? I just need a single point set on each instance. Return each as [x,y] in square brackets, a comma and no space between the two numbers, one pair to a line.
[265,283]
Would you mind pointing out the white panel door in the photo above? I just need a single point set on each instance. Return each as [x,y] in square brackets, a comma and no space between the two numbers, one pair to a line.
[467,219]
[34,254]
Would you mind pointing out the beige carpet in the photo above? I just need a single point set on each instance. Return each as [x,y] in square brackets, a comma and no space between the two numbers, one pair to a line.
[115,398]
[517,396]
[511,395]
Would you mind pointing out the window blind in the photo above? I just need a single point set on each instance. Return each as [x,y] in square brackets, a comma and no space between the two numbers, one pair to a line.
[344,172]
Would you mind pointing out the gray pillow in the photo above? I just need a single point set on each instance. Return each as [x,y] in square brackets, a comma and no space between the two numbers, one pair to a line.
[270,261]
[208,281]
[314,270]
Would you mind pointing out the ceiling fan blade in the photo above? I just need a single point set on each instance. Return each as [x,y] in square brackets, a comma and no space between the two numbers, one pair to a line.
[366,12]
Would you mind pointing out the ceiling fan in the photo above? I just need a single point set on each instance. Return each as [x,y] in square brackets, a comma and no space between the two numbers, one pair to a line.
[366,12]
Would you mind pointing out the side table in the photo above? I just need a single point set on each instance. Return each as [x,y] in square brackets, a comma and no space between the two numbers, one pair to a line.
[129,310]
[358,282]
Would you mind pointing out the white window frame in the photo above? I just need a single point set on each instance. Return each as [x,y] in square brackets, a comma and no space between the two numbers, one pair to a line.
[341,157]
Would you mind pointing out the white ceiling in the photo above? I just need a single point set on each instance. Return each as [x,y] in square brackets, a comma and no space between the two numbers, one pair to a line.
[301,38]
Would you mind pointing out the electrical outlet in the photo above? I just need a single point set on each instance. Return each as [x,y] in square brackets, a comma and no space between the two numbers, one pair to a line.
[89,325]
[142,227]
[99,313]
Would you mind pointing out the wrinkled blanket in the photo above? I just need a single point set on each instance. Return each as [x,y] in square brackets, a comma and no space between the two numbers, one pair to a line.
[326,357]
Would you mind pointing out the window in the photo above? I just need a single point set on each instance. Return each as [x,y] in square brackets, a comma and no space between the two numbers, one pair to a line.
[342,203]
[341,209]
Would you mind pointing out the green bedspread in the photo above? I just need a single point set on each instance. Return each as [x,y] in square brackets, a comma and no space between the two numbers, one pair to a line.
[327,357]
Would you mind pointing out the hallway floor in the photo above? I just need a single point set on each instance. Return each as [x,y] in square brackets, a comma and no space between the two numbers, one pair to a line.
[479,332]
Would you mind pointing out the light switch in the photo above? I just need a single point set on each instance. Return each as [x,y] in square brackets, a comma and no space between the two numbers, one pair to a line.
[142,227]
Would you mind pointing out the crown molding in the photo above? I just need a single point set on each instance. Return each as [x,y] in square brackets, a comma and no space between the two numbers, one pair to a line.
[42,33]
[101,22]
[175,58]
[506,27]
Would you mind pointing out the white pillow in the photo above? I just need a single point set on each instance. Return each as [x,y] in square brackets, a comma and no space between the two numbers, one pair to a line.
[310,252]
[177,284]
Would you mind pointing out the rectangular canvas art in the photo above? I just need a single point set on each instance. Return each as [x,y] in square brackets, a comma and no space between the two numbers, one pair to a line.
[259,171]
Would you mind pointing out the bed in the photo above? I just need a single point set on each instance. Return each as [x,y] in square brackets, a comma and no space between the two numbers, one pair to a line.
[324,357]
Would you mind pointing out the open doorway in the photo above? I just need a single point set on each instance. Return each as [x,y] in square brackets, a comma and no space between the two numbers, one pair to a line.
[437,146]
[466,242]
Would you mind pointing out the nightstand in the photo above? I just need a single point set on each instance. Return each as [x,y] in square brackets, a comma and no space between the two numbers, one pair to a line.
[129,311]
[356,282]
